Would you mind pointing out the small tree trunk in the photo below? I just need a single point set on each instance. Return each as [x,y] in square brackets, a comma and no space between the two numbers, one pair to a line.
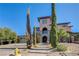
[9,41]
[1,42]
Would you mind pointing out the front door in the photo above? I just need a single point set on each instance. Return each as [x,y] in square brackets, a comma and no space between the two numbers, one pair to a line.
[44,39]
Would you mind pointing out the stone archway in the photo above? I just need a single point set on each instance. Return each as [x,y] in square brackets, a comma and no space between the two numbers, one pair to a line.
[44,39]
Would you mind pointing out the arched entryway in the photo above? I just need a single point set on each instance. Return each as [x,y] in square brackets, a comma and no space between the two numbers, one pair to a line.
[44,39]
[44,30]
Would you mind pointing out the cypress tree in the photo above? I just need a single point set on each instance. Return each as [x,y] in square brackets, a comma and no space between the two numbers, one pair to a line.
[34,36]
[53,31]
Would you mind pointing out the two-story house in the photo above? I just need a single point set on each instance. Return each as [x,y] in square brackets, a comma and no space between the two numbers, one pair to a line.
[45,28]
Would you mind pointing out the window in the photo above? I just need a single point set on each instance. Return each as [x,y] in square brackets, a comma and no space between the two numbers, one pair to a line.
[44,21]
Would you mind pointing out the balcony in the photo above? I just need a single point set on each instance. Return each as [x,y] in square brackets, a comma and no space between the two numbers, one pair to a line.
[45,32]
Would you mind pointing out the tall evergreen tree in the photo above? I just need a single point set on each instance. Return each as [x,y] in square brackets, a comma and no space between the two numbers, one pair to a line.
[34,34]
[53,32]
[28,28]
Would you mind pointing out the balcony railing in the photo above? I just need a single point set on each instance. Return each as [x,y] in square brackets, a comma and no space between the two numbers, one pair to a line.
[44,32]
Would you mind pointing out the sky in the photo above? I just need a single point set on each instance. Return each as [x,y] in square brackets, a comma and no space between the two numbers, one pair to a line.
[13,15]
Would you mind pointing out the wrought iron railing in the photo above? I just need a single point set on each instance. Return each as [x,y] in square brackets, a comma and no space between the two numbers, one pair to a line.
[44,32]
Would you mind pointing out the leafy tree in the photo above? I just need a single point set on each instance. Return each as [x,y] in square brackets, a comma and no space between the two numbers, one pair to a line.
[7,34]
[77,37]
[63,35]
[13,36]
[1,35]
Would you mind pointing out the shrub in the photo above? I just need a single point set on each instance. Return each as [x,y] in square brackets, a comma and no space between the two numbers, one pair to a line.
[61,48]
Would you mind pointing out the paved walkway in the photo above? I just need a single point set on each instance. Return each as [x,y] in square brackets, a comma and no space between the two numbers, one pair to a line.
[6,50]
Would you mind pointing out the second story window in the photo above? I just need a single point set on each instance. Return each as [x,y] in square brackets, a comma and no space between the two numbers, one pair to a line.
[44,21]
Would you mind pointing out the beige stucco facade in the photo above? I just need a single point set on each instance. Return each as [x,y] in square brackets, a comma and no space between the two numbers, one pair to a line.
[45,28]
